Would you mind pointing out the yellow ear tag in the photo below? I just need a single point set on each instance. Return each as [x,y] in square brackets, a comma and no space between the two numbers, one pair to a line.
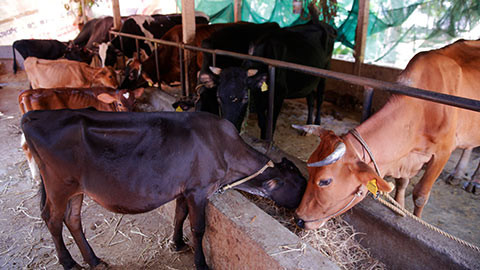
[178,109]
[264,87]
[150,83]
[372,186]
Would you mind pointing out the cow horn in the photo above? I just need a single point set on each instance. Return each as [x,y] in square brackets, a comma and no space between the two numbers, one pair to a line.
[215,70]
[339,151]
[251,72]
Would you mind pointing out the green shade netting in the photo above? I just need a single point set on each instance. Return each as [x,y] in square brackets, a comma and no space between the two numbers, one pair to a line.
[396,27]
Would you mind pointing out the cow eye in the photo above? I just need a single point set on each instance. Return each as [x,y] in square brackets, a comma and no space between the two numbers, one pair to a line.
[325,182]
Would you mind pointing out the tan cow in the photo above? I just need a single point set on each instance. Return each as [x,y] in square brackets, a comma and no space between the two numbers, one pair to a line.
[404,135]
[100,98]
[44,73]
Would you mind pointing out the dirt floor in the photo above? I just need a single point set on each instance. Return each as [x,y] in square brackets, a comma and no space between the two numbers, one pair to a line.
[141,241]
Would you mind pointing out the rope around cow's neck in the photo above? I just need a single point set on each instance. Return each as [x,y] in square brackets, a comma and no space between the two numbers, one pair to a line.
[269,164]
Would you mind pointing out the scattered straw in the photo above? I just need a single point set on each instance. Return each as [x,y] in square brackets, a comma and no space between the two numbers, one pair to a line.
[336,239]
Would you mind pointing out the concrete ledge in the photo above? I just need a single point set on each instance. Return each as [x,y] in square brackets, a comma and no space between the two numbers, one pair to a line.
[403,243]
[241,236]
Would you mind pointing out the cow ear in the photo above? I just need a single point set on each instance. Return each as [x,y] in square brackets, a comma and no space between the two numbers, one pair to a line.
[106,98]
[368,177]
[138,92]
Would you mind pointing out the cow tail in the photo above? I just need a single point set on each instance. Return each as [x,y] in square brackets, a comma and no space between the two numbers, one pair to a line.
[43,194]
[14,59]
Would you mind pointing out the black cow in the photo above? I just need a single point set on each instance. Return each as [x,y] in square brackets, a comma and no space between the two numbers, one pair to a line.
[235,38]
[310,44]
[87,31]
[135,162]
[47,49]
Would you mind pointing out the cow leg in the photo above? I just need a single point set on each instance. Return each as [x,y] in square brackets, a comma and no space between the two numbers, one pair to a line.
[421,191]
[319,92]
[456,177]
[473,186]
[181,213]
[401,186]
[196,208]
[74,224]
[310,102]
[52,214]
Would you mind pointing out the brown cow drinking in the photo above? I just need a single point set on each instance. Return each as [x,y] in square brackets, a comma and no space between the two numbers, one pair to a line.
[403,136]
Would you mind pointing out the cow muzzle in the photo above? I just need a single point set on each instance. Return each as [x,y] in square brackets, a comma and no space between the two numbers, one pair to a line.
[305,224]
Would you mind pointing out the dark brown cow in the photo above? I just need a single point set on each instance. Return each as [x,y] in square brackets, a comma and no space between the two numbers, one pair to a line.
[100,98]
[403,136]
[135,162]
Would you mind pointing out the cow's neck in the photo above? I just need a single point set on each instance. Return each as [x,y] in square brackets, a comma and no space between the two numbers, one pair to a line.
[388,134]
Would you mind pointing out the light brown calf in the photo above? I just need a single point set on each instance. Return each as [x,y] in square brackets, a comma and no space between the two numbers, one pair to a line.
[44,73]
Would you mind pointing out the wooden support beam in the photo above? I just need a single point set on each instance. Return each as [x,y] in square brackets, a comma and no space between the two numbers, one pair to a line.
[237,10]
[188,21]
[361,35]
[188,37]
[117,19]
[84,16]
[360,43]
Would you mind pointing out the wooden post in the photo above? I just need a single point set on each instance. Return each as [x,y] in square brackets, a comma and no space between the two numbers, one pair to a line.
[84,16]
[237,10]
[117,19]
[360,43]
[188,28]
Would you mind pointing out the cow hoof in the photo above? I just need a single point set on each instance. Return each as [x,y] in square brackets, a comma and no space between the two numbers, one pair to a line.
[76,266]
[454,181]
[179,247]
[472,187]
[101,266]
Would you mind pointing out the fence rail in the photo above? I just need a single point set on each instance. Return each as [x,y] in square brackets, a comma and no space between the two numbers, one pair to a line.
[461,102]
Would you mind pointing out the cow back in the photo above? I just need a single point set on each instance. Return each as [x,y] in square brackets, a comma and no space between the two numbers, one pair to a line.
[73,98]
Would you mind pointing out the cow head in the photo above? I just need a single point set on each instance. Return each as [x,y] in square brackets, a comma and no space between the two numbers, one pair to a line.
[123,100]
[105,76]
[284,184]
[337,180]
[233,85]
[76,53]
[135,77]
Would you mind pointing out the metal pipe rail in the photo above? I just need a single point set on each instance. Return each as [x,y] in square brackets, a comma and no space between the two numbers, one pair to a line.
[466,103]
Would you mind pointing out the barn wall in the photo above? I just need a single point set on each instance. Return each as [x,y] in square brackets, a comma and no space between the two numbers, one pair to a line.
[351,96]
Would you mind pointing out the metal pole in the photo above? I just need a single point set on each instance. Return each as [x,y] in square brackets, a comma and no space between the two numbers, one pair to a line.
[156,63]
[182,72]
[367,103]
[271,98]
[138,49]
